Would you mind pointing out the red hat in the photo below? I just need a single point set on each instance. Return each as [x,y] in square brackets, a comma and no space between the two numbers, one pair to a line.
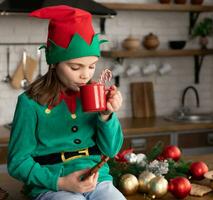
[67,23]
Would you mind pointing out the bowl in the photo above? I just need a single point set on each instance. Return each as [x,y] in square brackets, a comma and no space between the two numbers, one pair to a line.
[180,44]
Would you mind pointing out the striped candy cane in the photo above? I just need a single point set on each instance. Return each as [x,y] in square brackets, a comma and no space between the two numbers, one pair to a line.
[106,75]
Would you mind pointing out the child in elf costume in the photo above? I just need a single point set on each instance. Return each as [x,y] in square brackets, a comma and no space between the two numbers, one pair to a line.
[53,142]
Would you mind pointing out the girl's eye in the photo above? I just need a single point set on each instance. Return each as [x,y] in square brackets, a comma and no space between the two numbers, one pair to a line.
[75,67]
[92,66]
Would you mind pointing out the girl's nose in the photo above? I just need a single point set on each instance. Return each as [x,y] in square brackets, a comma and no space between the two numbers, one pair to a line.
[84,75]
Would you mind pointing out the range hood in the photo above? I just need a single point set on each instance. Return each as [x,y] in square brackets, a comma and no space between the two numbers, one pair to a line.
[26,6]
[9,7]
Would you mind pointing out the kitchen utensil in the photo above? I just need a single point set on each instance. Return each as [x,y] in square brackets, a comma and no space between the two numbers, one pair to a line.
[39,63]
[133,69]
[177,44]
[8,77]
[149,69]
[165,68]
[118,69]
[24,81]
[18,75]
[143,104]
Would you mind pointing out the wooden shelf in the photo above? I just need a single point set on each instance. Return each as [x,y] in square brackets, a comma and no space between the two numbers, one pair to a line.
[156,53]
[160,7]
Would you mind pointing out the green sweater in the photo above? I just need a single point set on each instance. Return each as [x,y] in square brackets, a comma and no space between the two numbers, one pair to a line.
[35,133]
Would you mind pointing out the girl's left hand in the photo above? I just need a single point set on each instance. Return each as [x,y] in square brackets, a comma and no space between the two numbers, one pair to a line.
[114,102]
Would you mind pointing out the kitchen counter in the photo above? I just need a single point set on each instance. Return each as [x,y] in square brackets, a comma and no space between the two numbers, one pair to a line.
[13,186]
[133,126]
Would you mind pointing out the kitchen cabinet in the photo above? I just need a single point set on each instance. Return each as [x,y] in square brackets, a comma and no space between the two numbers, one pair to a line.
[194,12]
[142,134]
[144,143]
[190,142]
[195,141]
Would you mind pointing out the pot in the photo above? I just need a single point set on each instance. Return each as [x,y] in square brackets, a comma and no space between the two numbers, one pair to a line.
[151,41]
[131,43]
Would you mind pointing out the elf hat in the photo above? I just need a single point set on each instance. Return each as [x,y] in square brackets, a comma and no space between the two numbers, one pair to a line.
[70,33]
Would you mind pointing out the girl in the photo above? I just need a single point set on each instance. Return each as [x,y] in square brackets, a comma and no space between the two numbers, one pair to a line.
[53,142]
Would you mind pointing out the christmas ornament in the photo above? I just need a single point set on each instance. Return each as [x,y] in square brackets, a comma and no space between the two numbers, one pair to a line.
[180,187]
[144,179]
[131,158]
[141,159]
[158,167]
[172,152]
[128,184]
[157,187]
[198,169]
[120,157]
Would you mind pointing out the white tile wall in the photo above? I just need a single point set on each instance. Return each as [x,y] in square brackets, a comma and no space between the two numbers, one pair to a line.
[167,88]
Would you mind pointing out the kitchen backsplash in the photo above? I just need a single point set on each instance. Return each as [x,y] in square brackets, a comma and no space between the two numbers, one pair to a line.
[168,87]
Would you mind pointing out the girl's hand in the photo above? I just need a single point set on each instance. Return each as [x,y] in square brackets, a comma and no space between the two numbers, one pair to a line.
[114,102]
[73,183]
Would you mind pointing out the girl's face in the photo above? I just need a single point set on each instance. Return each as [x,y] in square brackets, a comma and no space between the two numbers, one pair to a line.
[76,72]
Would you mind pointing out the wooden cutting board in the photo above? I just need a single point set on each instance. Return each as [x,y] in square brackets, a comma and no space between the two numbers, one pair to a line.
[142,96]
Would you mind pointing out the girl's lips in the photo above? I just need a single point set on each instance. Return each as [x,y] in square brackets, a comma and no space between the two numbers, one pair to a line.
[81,84]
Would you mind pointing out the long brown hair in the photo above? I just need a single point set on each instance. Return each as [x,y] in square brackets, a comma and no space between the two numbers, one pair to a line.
[45,90]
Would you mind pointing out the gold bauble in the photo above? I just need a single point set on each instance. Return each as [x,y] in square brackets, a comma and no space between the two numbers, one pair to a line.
[158,187]
[128,184]
[143,179]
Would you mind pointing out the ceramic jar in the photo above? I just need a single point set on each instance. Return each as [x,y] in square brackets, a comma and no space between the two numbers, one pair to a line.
[165,1]
[180,1]
[197,2]
[151,41]
[131,43]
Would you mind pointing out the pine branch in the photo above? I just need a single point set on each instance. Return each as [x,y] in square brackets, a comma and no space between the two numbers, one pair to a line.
[155,151]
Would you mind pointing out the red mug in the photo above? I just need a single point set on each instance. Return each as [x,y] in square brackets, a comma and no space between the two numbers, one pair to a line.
[93,97]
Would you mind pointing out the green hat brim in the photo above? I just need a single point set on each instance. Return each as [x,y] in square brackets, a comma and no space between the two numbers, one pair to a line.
[77,48]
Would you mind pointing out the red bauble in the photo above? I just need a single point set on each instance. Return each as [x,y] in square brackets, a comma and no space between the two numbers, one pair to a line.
[172,152]
[180,187]
[198,169]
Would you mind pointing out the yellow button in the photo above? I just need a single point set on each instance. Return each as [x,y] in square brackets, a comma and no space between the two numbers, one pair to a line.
[73,116]
[47,111]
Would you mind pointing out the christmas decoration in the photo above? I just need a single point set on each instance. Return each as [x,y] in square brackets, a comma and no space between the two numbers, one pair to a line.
[172,152]
[128,184]
[158,167]
[154,170]
[131,157]
[198,169]
[144,179]
[157,187]
[141,159]
[180,187]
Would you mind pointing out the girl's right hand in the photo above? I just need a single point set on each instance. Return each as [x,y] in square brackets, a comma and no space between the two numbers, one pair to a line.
[73,183]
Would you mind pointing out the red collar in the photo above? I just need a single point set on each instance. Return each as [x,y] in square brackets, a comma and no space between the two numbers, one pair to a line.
[70,99]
